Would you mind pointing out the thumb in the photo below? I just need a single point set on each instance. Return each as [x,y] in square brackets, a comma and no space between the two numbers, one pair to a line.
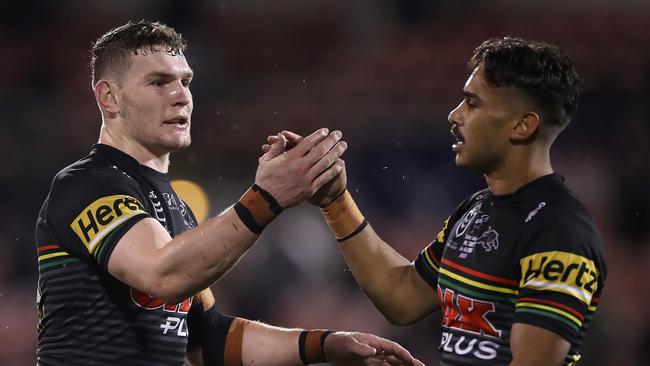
[276,149]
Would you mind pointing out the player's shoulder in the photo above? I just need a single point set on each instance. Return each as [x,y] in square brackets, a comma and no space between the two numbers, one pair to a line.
[91,169]
[92,179]
[558,204]
[561,218]
[92,173]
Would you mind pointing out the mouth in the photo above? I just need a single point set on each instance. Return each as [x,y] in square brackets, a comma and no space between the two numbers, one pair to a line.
[460,140]
[180,122]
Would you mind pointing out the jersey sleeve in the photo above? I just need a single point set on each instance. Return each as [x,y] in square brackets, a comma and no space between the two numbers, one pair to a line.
[209,329]
[562,277]
[90,211]
[428,261]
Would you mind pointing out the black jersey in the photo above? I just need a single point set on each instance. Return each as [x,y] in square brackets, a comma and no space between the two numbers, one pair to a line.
[87,317]
[532,257]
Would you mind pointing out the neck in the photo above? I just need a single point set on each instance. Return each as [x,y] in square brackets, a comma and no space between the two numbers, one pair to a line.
[520,170]
[146,157]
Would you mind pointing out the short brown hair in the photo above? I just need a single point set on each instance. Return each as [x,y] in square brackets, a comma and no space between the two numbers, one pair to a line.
[114,46]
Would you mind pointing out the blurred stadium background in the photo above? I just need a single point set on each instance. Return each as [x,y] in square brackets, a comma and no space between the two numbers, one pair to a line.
[387,73]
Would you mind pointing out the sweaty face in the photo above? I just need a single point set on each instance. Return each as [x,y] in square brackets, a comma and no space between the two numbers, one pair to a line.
[482,122]
[156,102]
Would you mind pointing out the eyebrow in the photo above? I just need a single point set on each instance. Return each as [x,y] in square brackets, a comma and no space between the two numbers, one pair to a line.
[167,75]
[469,94]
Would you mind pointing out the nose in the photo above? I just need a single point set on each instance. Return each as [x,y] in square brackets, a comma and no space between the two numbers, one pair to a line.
[181,95]
[454,115]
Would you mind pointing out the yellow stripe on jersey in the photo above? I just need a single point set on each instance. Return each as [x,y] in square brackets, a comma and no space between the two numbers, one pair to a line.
[51,255]
[565,314]
[462,279]
[431,262]
[102,216]
[563,272]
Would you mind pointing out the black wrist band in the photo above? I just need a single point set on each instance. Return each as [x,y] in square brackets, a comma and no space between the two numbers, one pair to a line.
[335,198]
[273,204]
[311,346]
[246,217]
[257,208]
[301,346]
[355,232]
[322,339]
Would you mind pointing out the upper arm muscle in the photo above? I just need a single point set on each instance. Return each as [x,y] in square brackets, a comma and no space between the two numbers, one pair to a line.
[533,345]
[133,260]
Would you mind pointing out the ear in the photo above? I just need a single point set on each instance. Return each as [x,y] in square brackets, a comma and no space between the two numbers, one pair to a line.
[107,98]
[525,128]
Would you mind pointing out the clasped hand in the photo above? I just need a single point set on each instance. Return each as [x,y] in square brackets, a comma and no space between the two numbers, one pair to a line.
[295,168]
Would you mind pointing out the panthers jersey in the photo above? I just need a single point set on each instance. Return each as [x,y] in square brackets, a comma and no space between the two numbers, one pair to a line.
[531,257]
[87,317]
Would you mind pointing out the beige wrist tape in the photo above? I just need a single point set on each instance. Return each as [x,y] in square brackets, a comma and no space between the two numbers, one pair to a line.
[343,216]
[233,348]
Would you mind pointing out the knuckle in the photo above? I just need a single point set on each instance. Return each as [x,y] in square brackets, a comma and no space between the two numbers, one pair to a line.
[321,150]
[305,166]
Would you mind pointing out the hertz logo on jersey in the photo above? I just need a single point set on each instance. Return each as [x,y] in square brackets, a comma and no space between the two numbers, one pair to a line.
[563,272]
[102,216]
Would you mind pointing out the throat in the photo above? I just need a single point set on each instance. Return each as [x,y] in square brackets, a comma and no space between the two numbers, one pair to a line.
[508,184]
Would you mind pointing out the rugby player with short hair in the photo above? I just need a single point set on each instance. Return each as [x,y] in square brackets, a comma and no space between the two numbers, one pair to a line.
[121,256]
[517,269]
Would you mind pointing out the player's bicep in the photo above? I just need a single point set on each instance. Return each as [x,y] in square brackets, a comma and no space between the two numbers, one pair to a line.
[422,296]
[425,270]
[134,258]
[532,345]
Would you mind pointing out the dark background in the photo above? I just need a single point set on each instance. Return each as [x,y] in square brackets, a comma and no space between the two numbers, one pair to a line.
[384,72]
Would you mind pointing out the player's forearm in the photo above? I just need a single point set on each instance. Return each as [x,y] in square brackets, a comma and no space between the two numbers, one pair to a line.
[382,273]
[269,345]
[197,258]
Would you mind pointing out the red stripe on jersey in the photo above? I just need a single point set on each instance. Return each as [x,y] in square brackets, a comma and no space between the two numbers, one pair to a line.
[554,304]
[46,247]
[432,254]
[479,274]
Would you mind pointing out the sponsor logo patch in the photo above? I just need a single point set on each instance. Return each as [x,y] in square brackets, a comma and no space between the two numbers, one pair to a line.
[466,313]
[464,345]
[562,272]
[102,216]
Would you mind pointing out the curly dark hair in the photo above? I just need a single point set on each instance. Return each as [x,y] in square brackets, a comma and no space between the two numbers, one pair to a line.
[541,70]
[114,46]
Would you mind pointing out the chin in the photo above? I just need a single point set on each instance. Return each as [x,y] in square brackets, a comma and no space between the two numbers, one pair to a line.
[460,161]
[177,145]
[470,165]
[183,145]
